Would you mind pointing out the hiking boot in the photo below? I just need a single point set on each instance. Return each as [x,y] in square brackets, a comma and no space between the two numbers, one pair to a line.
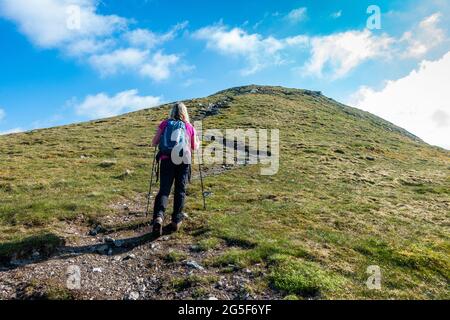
[157,227]
[175,226]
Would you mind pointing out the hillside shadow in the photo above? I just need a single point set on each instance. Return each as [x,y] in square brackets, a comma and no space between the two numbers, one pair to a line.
[45,243]
[18,254]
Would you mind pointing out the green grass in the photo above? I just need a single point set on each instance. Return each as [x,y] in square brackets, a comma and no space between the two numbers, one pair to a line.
[422,259]
[241,258]
[180,284]
[175,256]
[352,191]
[208,244]
[35,290]
[304,278]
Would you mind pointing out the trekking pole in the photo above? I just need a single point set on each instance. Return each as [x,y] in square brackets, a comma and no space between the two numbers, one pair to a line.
[201,179]
[151,183]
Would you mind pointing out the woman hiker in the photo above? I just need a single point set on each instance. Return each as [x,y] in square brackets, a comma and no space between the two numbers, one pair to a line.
[176,139]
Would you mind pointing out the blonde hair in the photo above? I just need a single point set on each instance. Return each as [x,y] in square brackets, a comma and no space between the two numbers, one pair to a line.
[180,112]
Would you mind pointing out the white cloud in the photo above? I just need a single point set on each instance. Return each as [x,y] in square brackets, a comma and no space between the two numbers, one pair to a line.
[342,52]
[144,38]
[426,36]
[419,102]
[297,15]
[45,22]
[2,114]
[11,131]
[441,118]
[87,47]
[112,62]
[259,51]
[336,14]
[102,105]
[337,54]
[158,68]
[148,39]
[334,55]
[103,41]
[234,41]
[299,41]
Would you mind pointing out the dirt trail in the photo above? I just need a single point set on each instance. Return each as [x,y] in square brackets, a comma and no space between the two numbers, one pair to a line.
[127,264]
[137,271]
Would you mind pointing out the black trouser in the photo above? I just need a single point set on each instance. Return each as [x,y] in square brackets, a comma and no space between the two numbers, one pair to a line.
[168,173]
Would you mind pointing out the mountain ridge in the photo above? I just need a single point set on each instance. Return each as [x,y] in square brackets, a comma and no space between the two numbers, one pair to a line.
[246,89]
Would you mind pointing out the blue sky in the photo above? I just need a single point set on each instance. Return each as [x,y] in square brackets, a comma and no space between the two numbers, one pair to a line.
[64,61]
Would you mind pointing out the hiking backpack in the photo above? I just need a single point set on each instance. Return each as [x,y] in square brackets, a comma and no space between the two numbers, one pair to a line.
[174,135]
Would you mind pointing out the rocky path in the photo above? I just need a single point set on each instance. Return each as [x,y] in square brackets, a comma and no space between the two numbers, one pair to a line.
[127,264]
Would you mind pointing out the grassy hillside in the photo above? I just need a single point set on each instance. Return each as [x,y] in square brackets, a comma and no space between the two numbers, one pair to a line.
[352,191]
